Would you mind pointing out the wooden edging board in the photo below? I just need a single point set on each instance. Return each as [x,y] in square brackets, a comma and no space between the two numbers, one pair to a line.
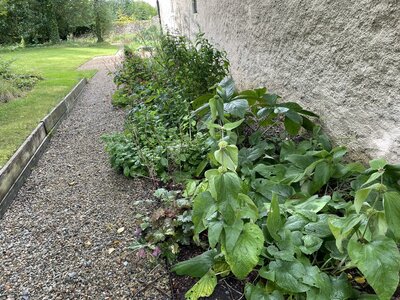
[19,166]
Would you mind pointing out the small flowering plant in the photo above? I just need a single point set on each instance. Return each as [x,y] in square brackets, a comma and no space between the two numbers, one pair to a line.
[168,227]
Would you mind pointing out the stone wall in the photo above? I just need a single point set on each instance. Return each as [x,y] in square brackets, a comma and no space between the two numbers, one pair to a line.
[339,58]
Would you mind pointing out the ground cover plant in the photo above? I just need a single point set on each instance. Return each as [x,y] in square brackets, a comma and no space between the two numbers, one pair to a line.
[272,202]
[57,66]
[13,85]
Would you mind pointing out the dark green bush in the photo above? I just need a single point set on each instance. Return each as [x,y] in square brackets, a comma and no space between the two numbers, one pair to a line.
[160,127]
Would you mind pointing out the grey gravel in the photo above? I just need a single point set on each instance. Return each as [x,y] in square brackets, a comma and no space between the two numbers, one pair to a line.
[55,240]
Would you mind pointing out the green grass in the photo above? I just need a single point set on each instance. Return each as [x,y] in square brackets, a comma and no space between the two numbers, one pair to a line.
[57,65]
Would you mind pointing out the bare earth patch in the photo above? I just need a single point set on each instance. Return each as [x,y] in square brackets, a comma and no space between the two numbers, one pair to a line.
[60,238]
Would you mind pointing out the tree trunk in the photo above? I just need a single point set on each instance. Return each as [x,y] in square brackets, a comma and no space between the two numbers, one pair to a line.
[98,25]
[54,35]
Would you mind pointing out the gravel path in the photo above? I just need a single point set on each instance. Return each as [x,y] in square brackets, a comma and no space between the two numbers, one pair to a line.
[60,238]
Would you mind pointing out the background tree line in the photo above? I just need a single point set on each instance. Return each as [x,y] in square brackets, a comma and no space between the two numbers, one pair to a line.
[40,21]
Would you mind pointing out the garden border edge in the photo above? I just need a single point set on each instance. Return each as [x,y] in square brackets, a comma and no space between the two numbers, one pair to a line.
[20,165]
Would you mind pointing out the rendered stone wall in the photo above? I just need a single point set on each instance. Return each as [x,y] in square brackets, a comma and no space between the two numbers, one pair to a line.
[339,58]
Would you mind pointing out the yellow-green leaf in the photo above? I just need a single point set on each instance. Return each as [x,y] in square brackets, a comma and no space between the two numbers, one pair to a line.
[245,255]
[204,287]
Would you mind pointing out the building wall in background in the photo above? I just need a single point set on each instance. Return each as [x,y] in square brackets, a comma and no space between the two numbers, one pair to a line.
[339,58]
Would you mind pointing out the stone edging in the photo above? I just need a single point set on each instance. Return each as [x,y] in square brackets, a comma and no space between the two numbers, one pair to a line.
[19,166]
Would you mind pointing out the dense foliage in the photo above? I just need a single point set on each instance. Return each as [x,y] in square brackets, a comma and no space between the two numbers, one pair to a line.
[274,203]
[133,10]
[40,21]
[161,139]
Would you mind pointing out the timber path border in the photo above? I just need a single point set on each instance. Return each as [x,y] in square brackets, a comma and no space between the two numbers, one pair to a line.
[20,165]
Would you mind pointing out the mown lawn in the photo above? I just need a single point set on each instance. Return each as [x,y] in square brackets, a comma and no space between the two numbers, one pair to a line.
[57,65]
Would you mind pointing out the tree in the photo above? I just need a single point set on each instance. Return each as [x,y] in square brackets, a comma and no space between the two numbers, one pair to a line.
[102,18]
[52,25]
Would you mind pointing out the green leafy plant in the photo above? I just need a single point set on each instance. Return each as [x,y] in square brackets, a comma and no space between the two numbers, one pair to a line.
[13,85]
[274,203]
[169,226]
[161,139]
[290,210]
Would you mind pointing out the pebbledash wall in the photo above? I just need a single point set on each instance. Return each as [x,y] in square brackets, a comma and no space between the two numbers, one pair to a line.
[339,58]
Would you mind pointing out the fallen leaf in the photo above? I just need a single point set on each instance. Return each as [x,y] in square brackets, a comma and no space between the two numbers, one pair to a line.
[359,280]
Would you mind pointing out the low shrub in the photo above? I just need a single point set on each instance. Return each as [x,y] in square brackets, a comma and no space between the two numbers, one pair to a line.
[162,134]
[7,91]
[13,85]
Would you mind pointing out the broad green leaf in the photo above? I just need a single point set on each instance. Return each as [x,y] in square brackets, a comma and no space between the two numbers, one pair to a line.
[237,107]
[345,170]
[271,99]
[200,101]
[227,157]
[233,125]
[286,254]
[203,288]
[228,87]
[360,197]
[379,261]
[392,212]
[308,113]
[213,109]
[311,244]
[377,164]
[245,255]
[274,220]
[280,109]
[378,224]
[203,207]
[267,188]
[214,232]
[232,234]
[314,204]
[294,116]
[200,168]
[258,292]
[224,187]
[373,177]
[320,228]
[248,209]
[343,228]
[288,275]
[332,288]
[197,266]
[295,107]
[291,126]
[338,153]
[295,222]
[301,161]
[322,174]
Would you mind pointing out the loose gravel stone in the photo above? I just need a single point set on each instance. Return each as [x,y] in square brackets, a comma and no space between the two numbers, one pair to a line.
[55,238]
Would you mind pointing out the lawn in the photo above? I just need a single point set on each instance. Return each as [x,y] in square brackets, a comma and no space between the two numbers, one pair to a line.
[57,65]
